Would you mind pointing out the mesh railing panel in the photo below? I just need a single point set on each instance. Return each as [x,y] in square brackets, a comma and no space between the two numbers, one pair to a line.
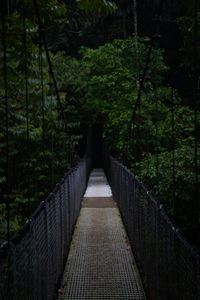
[32,263]
[171,266]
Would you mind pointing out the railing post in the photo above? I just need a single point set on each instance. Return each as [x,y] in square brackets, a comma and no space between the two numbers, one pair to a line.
[59,230]
[157,256]
[65,218]
[69,209]
[61,224]
[12,253]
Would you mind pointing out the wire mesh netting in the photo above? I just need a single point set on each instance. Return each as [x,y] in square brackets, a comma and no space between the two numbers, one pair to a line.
[171,266]
[32,262]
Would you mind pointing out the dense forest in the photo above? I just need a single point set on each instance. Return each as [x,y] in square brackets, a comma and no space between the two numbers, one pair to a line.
[132,66]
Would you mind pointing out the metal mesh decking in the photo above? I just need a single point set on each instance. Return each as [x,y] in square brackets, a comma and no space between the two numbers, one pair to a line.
[100,263]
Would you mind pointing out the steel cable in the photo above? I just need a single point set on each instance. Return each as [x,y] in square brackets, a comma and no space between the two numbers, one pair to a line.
[143,78]
[27,106]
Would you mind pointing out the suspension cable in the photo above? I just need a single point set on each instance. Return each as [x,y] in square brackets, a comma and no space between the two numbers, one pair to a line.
[7,173]
[148,59]
[42,84]
[50,67]
[146,67]
[136,41]
[27,103]
[147,143]
[173,152]
[52,137]
[156,125]
[196,201]
[130,128]
[138,148]
[49,60]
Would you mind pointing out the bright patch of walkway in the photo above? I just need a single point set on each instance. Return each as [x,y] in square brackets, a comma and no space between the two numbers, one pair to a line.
[100,264]
[98,185]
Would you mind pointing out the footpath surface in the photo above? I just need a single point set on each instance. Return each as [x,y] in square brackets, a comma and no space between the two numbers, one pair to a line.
[100,264]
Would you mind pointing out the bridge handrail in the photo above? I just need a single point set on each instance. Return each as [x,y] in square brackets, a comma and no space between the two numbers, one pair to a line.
[170,264]
[32,262]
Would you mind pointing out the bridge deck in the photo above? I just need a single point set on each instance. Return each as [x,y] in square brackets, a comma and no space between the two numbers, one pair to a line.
[100,263]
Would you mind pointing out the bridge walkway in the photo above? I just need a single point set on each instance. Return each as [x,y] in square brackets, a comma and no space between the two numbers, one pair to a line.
[100,264]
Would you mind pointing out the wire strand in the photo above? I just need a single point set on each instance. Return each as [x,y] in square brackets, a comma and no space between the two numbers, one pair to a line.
[6,123]
[196,171]
[49,61]
[42,85]
[173,152]
[147,63]
[7,175]
[27,105]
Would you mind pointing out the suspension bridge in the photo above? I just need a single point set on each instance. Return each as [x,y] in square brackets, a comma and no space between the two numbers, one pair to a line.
[98,247]
[100,234]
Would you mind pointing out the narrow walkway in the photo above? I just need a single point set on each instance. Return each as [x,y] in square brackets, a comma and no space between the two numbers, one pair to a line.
[100,263]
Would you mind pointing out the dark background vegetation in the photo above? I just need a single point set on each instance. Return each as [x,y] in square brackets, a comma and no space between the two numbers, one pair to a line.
[97,58]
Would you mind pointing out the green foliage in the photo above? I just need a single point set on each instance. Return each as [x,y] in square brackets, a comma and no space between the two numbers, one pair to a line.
[110,81]
[109,77]
[35,165]
[99,87]
[190,61]
[156,173]
[100,6]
